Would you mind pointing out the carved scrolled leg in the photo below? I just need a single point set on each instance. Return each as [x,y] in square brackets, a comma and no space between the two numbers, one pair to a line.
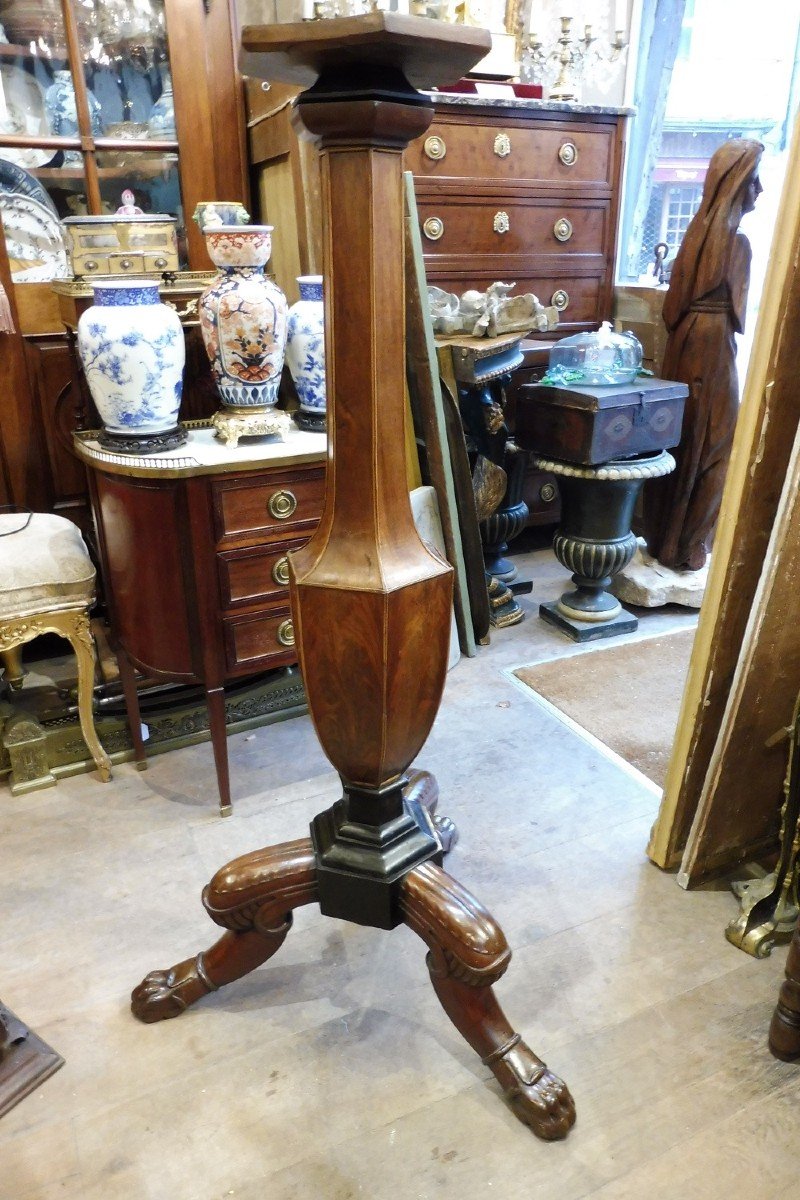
[784,1032]
[468,954]
[75,627]
[252,898]
[423,788]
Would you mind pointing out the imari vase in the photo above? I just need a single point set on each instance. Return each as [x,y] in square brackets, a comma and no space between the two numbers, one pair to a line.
[133,352]
[305,352]
[243,318]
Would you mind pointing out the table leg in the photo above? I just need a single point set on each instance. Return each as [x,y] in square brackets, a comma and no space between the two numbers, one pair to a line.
[215,702]
[128,679]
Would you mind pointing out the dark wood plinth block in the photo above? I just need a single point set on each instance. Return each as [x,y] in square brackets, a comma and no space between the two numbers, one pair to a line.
[370,601]
[25,1060]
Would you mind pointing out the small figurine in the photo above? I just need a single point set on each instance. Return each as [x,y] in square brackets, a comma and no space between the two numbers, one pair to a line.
[488,314]
[129,207]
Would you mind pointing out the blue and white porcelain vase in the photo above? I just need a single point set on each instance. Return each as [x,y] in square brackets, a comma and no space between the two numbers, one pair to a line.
[62,112]
[305,353]
[161,121]
[133,352]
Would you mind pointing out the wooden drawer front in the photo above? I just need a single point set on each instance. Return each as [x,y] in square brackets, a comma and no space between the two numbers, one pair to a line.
[554,157]
[579,299]
[504,226]
[253,576]
[260,639]
[278,504]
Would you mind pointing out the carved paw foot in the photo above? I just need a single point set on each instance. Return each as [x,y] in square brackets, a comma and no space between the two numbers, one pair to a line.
[538,1097]
[165,994]
[446,831]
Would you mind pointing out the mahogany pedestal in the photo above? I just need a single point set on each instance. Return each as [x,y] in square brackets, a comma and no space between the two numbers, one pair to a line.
[370,602]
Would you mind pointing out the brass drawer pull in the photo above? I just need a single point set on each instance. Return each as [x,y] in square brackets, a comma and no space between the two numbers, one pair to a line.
[282,504]
[560,299]
[433,228]
[502,145]
[125,264]
[563,229]
[91,264]
[501,223]
[280,572]
[547,493]
[286,632]
[568,153]
[435,147]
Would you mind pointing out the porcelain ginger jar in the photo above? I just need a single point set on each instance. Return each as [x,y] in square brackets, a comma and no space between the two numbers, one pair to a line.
[62,112]
[305,353]
[243,318]
[133,351]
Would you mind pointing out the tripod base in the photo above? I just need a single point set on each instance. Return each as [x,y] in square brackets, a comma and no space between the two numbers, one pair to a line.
[252,898]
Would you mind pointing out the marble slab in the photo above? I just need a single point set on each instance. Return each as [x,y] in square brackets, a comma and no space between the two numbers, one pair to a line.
[515,103]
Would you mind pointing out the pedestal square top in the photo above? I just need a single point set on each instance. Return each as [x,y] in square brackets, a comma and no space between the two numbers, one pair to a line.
[429,53]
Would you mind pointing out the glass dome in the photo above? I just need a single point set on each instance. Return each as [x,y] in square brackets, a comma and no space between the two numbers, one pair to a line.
[604,358]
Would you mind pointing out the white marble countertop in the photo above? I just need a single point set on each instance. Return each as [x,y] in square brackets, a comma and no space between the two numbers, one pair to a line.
[205,454]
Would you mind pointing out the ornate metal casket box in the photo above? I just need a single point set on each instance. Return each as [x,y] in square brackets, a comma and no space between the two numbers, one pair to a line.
[120,245]
[594,424]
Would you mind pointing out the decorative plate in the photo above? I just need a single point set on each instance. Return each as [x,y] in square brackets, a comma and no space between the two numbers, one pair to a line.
[34,239]
[22,112]
[14,179]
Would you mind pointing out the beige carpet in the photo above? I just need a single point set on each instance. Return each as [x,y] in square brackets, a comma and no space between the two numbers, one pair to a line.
[627,696]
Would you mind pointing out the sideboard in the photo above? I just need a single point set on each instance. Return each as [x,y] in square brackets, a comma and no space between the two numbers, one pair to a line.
[524,191]
[193,546]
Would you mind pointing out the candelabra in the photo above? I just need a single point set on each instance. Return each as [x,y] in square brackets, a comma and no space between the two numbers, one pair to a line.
[562,69]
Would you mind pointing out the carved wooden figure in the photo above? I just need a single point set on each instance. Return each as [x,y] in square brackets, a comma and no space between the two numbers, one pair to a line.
[370,601]
[703,310]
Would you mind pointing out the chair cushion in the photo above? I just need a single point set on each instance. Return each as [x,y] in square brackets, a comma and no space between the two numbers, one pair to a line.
[43,567]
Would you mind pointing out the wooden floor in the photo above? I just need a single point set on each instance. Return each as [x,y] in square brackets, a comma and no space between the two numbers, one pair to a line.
[332,1073]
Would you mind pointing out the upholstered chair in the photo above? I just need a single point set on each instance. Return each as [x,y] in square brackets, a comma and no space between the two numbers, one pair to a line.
[47,586]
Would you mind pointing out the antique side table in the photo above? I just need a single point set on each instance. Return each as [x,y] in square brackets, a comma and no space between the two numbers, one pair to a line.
[193,547]
[374,688]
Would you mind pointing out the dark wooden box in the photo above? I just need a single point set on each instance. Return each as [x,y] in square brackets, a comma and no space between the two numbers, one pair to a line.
[592,425]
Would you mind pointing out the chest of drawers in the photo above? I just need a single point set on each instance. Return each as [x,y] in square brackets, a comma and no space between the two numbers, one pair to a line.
[193,548]
[526,192]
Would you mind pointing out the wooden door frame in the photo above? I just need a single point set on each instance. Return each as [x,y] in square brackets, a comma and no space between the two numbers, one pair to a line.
[768,423]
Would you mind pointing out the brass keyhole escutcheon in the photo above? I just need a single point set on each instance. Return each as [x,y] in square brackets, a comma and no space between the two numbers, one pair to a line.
[560,299]
[568,153]
[563,229]
[280,572]
[502,145]
[435,147]
[501,223]
[433,228]
[282,504]
[286,632]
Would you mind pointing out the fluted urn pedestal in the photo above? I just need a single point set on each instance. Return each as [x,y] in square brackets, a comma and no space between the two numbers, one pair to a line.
[370,602]
[594,540]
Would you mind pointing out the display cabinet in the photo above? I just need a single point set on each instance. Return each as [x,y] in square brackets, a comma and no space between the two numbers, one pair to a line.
[97,98]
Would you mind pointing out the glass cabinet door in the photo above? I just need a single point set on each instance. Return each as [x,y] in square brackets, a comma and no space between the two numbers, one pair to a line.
[87,122]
